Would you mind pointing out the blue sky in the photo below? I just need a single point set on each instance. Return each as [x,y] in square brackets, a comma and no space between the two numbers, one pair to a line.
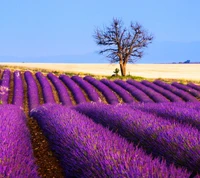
[45,28]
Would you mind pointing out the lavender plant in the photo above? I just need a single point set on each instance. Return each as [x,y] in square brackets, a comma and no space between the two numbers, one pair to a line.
[18,93]
[88,88]
[3,92]
[194,86]
[5,85]
[127,98]
[176,143]
[192,105]
[171,96]
[61,89]
[155,96]
[46,88]
[187,89]
[86,149]
[136,93]
[180,113]
[74,88]
[107,92]
[16,153]
[184,95]
[32,89]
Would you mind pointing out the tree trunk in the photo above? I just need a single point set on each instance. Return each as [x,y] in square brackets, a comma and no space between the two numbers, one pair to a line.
[123,69]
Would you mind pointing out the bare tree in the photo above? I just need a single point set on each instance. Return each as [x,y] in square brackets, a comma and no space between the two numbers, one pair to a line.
[121,44]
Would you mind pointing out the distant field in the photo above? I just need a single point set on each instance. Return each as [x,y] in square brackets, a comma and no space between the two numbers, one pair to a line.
[170,71]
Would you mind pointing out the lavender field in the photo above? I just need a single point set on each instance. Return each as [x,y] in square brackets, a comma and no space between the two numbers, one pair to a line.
[62,126]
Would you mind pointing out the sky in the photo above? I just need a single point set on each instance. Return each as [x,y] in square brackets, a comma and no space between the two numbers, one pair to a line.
[50,30]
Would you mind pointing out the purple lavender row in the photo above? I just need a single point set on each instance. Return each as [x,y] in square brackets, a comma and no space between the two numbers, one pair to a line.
[18,95]
[88,88]
[5,85]
[192,105]
[179,113]
[187,89]
[107,92]
[194,86]
[184,95]
[189,105]
[127,98]
[16,155]
[74,88]
[46,88]
[61,89]
[86,149]
[176,143]
[171,96]
[155,96]
[136,93]
[32,89]
[0,77]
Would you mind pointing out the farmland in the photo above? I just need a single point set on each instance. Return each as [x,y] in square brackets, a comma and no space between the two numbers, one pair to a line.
[151,71]
[84,127]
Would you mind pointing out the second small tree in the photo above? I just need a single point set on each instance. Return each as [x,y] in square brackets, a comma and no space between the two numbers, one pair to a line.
[121,44]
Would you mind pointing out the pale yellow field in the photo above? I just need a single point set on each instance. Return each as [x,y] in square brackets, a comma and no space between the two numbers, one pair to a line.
[172,71]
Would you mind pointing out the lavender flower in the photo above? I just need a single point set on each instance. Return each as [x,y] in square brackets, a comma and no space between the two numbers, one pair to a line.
[74,88]
[127,98]
[16,153]
[184,95]
[46,88]
[175,142]
[194,86]
[187,89]
[136,93]
[180,113]
[5,85]
[61,89]
[88,88]
[32,89]
[86,149]
[18,94]
[108,93]
[155,96]
[171,96]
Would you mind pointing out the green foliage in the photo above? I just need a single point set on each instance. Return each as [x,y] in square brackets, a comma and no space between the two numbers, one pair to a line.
[116,72]
[55,72]
[126,77]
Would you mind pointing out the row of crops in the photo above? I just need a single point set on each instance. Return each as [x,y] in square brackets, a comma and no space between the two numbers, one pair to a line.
[100,128]
[100,140]
[85,89]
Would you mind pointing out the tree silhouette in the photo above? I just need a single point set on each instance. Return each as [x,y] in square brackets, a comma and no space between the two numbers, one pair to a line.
[121,44]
